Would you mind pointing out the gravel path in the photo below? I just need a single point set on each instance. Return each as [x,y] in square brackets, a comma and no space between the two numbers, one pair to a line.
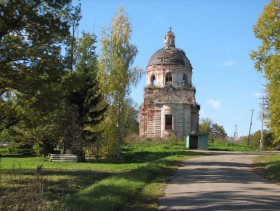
[220,182]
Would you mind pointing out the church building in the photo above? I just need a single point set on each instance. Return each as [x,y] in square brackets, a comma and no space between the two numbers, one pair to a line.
[169,105]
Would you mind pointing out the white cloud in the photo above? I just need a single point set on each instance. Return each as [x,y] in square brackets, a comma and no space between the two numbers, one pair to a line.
[228,63]
[214,103]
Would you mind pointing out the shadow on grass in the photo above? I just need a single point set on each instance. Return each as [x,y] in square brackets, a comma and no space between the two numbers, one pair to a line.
[147,156]
[125,191]
[56,184]
[269,170]
[85,189]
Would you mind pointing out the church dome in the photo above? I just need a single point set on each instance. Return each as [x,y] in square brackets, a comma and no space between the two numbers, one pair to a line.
[169,55]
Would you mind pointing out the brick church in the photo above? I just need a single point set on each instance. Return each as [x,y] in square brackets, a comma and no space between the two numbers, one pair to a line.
[169,105]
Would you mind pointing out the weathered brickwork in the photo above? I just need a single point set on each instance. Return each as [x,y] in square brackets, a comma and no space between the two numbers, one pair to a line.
[169,98]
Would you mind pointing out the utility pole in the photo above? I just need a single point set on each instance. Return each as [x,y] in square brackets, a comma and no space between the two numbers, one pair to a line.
[235,133]
[263,106]
[248,141]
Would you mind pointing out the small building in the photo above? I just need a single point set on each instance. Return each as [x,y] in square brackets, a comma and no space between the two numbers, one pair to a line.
[169,105]
[197,142]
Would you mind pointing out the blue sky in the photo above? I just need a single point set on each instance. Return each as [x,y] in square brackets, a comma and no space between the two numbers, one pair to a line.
[217,36]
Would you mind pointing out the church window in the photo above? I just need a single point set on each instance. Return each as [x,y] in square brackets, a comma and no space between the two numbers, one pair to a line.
[168,78]
[153,80]
[185,80]
[168,122]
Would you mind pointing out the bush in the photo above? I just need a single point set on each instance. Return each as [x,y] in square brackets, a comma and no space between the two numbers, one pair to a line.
[12,147]
[37,149]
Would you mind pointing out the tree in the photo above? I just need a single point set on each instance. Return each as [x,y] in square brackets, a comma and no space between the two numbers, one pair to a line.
[115,74]
[255,139]
[31,62]
[31,35]
[84,101]
[214,130]
[205,126]
[267,59]
[131,123]
[218,132]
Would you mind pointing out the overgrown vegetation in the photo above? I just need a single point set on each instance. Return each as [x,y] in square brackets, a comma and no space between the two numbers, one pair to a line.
[229,146]
[269,167]
[135,182]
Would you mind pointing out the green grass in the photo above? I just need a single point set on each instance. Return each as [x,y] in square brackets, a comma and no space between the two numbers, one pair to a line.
[229,146]
[269,167]
[133,183]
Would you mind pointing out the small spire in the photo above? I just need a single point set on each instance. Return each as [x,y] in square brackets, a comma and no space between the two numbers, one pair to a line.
[169,39]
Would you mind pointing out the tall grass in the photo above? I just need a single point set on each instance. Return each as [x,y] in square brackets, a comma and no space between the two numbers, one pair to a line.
[229,146]
[269,167]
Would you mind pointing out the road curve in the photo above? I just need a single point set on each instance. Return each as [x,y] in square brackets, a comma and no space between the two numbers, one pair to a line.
[220,182]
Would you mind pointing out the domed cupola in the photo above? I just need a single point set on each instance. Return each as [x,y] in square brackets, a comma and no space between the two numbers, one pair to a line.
[169,66]
[169,54]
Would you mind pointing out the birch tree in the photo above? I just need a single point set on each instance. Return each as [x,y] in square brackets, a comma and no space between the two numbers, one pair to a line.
[267,60]
[116,74]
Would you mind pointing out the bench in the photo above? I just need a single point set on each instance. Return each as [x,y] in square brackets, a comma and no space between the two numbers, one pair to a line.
[63,158]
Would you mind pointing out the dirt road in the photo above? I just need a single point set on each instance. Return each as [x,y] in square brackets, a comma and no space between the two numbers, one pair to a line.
[220,182]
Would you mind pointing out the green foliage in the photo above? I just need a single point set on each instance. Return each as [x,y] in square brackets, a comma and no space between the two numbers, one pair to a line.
[85,103]
[32,67]
[214,130]
[269,167]
[31,34]
[229,146]
[255,139]
[5,136]
[267,59]
[37,149]
[12,147]
[116,76]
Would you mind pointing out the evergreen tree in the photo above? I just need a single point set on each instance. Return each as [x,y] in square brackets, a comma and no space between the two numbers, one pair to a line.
[85,103]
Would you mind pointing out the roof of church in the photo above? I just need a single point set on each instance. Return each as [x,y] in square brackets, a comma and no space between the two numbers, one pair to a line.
[169,55]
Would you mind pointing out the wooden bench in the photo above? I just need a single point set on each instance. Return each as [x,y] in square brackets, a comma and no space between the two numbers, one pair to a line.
[63,158]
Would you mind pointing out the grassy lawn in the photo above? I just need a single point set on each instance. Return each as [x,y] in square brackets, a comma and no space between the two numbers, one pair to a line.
[133,183]
[269,167]
[229,146]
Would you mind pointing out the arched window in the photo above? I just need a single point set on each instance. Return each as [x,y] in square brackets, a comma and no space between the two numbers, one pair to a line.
[153,80]
[168,78]
[185,80]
